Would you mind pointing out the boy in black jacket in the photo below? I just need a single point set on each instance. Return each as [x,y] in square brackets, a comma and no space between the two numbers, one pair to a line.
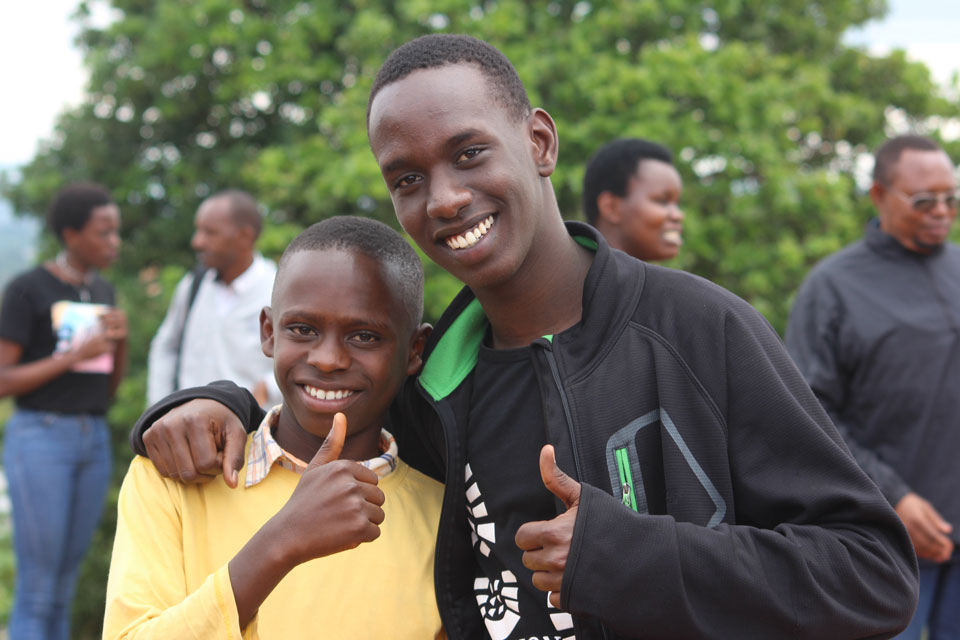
[708,494]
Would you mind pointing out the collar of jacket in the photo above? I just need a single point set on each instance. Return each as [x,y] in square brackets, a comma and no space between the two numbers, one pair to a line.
[885,244]
[451,352]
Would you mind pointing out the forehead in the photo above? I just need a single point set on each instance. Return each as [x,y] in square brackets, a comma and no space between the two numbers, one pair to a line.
[431,104]
[651,173]
[106,215]
[924,170]
[337,282]
[214,212]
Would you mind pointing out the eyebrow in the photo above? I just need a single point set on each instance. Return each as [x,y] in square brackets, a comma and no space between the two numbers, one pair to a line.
[452,141]
[293,315]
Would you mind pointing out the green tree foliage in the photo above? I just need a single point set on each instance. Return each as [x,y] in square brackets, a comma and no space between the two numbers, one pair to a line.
[768,112]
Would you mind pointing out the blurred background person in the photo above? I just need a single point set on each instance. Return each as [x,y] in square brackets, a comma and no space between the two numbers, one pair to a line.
[212,327]
[874,330]
[62,352]
[631,194]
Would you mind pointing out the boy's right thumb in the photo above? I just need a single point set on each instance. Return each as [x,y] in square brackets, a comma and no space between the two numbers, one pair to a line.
[333,444]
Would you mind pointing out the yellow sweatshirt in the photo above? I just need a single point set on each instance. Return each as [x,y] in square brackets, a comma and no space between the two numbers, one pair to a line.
[169,579]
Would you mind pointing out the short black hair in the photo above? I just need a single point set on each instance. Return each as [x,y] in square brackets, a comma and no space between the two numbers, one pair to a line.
[612,166]
[441,49]
[73,204]
[887,156]
[374,240]
[243,209]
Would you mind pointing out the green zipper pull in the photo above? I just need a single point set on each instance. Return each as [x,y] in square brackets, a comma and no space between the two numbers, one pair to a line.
[626,478]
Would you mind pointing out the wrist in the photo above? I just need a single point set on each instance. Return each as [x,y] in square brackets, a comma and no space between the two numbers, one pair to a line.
[278,550]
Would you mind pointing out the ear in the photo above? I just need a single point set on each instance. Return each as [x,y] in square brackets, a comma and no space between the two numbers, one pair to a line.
[248,235]
[878,194]
[266,331]
[608,208]
[543,135]
[417,342]
[69,236]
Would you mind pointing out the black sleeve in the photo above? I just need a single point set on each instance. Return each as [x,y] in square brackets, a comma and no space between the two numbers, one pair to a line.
[16,315]
[814,550]
[234,397]
[812,340]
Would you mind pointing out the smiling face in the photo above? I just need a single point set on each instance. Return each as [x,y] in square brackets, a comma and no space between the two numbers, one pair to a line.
[467,180]
[917,172]
[340,339]
[651,222]
[97,243]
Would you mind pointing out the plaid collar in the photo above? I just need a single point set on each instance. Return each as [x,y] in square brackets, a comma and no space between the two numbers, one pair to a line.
[265,451]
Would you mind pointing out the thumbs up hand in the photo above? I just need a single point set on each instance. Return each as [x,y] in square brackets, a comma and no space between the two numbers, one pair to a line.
[336,505]
[546,544]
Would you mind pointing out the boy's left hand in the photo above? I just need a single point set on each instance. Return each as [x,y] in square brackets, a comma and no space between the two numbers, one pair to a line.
[546,544]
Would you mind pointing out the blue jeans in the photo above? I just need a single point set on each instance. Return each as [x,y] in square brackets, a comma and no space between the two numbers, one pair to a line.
[939,606]
[58,471]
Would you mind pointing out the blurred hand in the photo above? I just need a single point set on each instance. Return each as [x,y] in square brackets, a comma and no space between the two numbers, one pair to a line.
[927,528]
[95,345]
[114,323]
[196,441]
[546,544]
[335,507]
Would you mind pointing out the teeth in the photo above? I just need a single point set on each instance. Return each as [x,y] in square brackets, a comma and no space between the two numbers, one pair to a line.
[331,394]
[472,236]
[673,237]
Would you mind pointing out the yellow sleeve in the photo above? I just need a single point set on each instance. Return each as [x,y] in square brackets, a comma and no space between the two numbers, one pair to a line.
[146,589]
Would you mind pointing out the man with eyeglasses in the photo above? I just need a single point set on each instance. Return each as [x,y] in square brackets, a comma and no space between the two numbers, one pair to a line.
[875,329]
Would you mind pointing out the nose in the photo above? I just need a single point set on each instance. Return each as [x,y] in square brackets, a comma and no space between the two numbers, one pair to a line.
[329,354]
[196,241]
[676,213]
[447,196]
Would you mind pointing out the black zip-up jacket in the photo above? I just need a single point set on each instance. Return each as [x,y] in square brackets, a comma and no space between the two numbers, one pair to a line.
[875,329]
[752,521]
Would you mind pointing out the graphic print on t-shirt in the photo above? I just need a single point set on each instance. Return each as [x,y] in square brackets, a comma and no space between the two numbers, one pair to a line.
[482,531]
[498,604]
[504,490]
[498,598]
[74,323]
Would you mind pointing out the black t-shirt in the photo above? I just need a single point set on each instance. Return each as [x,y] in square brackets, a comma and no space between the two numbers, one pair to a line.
[26,318]
[505,491]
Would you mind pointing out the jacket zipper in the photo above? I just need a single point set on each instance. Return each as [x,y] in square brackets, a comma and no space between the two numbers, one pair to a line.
[551,359]
[628,496]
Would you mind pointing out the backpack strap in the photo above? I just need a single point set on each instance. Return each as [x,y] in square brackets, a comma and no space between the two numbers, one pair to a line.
[198,272]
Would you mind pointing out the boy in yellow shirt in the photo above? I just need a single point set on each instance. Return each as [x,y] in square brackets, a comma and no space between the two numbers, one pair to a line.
[262,560]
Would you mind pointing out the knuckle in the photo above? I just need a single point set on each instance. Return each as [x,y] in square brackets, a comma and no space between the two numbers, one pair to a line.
[206,459]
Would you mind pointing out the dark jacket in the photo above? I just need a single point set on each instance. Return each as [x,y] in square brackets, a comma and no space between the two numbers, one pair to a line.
[875,329]
[752,521]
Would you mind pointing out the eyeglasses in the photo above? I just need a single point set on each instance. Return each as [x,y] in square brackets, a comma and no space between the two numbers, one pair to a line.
[925,201]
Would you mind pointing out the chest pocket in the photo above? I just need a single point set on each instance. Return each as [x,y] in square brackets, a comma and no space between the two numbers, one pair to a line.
[626,475]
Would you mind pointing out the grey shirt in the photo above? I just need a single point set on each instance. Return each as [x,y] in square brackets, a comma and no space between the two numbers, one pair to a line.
[875,330]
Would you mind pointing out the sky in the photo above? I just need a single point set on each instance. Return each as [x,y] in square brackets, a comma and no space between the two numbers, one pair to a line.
[41,72]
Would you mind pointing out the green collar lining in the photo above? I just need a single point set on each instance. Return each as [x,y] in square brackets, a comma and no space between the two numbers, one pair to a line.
[456,353]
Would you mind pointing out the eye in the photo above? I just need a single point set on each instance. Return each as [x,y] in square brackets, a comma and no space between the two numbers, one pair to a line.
[468,154]
[365,337]
[406,181]
[301,330]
